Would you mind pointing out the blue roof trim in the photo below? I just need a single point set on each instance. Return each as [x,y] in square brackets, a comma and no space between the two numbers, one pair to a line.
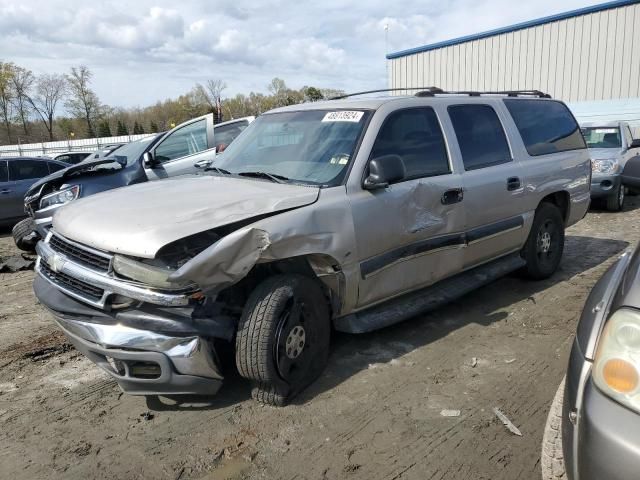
[518,26]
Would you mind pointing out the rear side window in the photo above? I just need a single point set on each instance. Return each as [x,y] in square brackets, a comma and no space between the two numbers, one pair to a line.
[27,169]
[54,167]
[225,134]
[545,126]
[480,135]
[3,171]
[415,135]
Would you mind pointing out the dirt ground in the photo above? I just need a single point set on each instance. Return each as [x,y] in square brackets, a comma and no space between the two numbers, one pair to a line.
[375,413]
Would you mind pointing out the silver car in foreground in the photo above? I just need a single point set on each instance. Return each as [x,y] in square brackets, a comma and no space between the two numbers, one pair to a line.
[593,428]
[611,145]
[356,213]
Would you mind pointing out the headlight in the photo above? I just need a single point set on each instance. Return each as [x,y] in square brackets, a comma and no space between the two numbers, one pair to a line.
[605,166]
[60,197]
[616,369]
[147,274]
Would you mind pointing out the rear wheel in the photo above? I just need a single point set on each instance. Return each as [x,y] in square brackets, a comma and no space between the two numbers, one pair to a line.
[543,250]
[282,344]
[552,457]
[615,201]
[25,235]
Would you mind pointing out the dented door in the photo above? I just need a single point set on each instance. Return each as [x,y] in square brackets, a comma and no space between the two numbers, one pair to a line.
[409,235]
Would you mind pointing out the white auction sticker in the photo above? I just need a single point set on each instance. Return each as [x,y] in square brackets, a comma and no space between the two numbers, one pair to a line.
[606,130]
[343,116]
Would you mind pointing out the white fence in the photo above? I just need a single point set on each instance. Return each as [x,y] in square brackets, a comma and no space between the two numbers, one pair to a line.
[50,148]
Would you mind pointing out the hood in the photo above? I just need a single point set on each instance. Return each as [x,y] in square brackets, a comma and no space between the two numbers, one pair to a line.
[140,219]
[67,172]
[605,153]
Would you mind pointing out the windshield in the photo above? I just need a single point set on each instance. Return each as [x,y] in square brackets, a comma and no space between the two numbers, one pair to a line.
[312,147]
[602,137]
[130,151]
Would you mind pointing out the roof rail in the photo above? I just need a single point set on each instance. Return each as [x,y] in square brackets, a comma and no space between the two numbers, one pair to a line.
[507,93]
[382,90]
[433,91]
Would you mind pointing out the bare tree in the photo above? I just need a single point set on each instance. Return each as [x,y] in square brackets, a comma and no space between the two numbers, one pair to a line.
[83,102]
[210,94]
[50,89]
[7,95]
[22,82]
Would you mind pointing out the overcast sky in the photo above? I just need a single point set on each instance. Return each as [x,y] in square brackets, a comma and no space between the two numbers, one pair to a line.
[143,50]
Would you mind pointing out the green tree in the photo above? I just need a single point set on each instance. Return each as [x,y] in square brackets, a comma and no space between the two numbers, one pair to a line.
[136,128]
[83,102]
[312,94]
[122,129]
[104,130]
[153,127]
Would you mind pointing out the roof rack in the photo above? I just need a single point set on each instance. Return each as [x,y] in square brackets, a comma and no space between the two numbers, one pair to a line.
[433,91]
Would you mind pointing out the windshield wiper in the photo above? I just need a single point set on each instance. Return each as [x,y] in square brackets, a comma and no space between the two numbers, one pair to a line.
[269,176]
[221,171]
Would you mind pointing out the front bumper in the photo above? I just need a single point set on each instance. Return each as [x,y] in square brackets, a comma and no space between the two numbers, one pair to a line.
[609,438]
[43,220]
[147,351]
[604,185]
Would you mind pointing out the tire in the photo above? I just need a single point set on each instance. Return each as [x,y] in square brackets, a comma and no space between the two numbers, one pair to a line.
[552,456]
[543,250]
[282,343]
[615,201]
[25,235]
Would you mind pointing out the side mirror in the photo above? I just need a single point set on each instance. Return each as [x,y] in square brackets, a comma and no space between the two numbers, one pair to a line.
[148,161]
[383,171]
[635,143]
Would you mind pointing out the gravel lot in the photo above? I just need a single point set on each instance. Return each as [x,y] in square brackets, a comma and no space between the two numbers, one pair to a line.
[375,413]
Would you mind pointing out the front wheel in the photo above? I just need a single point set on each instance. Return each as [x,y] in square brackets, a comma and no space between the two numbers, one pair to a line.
[25,235]
[282,343]
[543,250]
[615,201]
[552,458]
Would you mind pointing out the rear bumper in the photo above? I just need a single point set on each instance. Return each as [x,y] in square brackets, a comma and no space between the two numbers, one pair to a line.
[604,185]
[145,352]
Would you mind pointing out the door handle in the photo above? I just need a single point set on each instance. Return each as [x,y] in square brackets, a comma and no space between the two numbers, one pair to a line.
[202,163]
[451,196]
[5,191]
[513,183]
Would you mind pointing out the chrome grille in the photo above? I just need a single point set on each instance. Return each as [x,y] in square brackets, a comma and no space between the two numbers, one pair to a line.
[85,257]
[70,283]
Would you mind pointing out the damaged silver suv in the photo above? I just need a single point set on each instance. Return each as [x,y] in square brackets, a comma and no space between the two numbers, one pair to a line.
[352,213]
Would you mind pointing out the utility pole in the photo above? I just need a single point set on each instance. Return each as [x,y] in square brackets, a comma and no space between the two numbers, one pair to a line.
[386,52]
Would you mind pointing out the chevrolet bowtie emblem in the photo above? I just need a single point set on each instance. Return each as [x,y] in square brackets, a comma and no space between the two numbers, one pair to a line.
[57,262]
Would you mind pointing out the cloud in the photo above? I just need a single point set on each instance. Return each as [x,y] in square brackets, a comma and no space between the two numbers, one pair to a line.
[144,50]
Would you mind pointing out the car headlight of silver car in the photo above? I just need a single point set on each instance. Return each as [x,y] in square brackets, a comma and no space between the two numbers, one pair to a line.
[610,165]
[60,197]
[616,369]
[150,275]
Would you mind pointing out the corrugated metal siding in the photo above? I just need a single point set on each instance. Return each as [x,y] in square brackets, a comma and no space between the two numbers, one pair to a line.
[590,57]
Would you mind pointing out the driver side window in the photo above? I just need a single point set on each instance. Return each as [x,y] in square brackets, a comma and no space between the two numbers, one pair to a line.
[185,141]
[415,135]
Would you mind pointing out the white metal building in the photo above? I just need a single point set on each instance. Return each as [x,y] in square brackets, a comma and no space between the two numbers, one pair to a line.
[590,58]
